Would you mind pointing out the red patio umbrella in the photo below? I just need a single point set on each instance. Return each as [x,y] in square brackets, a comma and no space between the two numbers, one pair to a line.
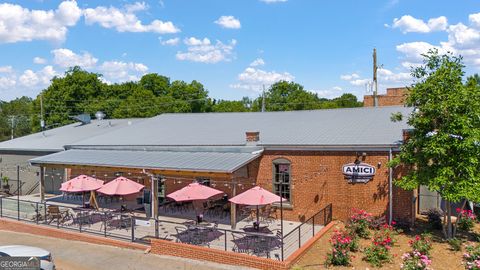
[121,186]
[194,192]
[81,183]
[256,196]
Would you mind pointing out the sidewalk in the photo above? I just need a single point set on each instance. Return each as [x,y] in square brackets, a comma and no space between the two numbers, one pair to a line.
[74,255]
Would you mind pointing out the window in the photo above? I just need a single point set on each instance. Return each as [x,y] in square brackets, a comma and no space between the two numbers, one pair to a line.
[281,178]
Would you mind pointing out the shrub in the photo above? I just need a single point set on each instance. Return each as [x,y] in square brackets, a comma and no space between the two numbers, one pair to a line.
[415,261]
[377,255]
[385,236]
[340,254]
[422,243]
[455,244]
[471,258]
[435,218]
[360,222]
[466,220]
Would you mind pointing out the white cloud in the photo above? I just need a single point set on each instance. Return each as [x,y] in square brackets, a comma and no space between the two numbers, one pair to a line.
[28,83]
[228,22]
[125,20]
[39,79]
[408,24]
[257,62]
[349,77]
[119,71]
[474,19]
[202,50]
[253,78]
[334,92]
[39,60]
[171,42]
[22,24]
[6,69]
[273,1]
[66,58]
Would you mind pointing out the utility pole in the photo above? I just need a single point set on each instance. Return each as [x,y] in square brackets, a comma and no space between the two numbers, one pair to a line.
[42,122]
[263,99]
[12,123]
[375,83]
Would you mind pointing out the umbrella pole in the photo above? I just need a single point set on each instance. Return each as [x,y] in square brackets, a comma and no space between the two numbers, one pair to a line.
[258,222]
[83,198]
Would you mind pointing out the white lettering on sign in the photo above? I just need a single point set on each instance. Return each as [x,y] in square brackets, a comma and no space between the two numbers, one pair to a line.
[361,172]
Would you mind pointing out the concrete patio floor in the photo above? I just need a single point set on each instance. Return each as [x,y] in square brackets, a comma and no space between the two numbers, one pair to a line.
[222,237]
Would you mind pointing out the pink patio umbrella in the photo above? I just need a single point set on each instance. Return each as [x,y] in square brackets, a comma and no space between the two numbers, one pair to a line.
[121,186]
[194,192]
[81,183]
[256,196]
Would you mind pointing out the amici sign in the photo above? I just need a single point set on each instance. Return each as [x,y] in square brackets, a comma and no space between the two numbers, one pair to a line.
[358,173]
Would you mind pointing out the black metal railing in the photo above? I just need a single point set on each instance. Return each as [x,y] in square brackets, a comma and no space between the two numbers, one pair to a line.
[128,227]
[294,239]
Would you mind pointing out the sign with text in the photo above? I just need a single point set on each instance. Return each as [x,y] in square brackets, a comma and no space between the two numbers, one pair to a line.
[19,263]
[358,173]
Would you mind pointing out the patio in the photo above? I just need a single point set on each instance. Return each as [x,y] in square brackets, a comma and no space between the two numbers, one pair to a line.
[176,223]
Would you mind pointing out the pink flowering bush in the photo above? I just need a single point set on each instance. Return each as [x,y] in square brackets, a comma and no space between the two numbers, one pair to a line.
[340,254]
[360,222]
[415,261]
[379,252]
[422,243]
[471,258]
[466,219]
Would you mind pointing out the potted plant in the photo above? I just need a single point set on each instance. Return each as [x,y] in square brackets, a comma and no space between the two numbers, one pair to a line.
[5,185]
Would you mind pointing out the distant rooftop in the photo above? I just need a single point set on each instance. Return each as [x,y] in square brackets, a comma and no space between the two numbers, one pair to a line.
[53,140]
[333,127]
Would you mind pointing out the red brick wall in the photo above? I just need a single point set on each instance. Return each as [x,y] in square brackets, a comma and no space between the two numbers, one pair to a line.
[318,180]
[394,96]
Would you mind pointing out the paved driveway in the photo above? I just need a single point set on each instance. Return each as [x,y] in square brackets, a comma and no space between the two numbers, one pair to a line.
[74,255]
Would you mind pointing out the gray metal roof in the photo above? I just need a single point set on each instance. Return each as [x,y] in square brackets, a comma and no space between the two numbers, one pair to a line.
[53,140]
[167,160]
[367,126]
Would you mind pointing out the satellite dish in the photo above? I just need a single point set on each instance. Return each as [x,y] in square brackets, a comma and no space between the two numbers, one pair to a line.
[84,118]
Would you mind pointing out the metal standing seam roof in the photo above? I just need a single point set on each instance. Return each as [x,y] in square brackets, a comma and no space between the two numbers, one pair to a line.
[366,126]
[53,140]
[167,160]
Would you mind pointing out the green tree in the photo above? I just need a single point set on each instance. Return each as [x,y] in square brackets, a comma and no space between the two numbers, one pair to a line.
[443,150]
[287,96]
[17,112]
[347,100]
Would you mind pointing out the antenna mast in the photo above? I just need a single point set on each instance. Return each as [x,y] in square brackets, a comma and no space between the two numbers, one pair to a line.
[375,83]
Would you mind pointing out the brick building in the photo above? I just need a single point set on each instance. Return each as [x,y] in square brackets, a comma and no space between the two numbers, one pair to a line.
[393,97]
[302,155]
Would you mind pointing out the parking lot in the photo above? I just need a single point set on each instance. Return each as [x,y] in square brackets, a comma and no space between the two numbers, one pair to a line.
[73,255]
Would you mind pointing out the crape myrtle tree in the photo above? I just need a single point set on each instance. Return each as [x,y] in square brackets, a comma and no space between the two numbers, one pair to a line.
[443,148]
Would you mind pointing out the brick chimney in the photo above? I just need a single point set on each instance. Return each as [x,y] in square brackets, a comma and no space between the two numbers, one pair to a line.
[252,136]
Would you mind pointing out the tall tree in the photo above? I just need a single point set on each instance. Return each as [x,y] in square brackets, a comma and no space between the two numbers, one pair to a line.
[443,149]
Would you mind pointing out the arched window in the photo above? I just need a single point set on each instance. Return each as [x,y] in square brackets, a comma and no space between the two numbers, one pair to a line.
[281,178]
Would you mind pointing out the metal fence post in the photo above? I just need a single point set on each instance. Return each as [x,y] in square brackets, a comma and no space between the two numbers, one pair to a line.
[313,225]
[299,237]
[80,221]
[36,212]
[325,216]
[225,233]
[45,212]
[133,228]
[1,207]
[157,233]
[18,208]
[105,224]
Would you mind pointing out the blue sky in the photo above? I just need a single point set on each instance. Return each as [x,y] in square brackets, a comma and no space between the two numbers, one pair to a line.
[232,47]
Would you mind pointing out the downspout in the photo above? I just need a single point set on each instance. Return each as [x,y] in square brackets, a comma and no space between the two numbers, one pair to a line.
[390,191]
